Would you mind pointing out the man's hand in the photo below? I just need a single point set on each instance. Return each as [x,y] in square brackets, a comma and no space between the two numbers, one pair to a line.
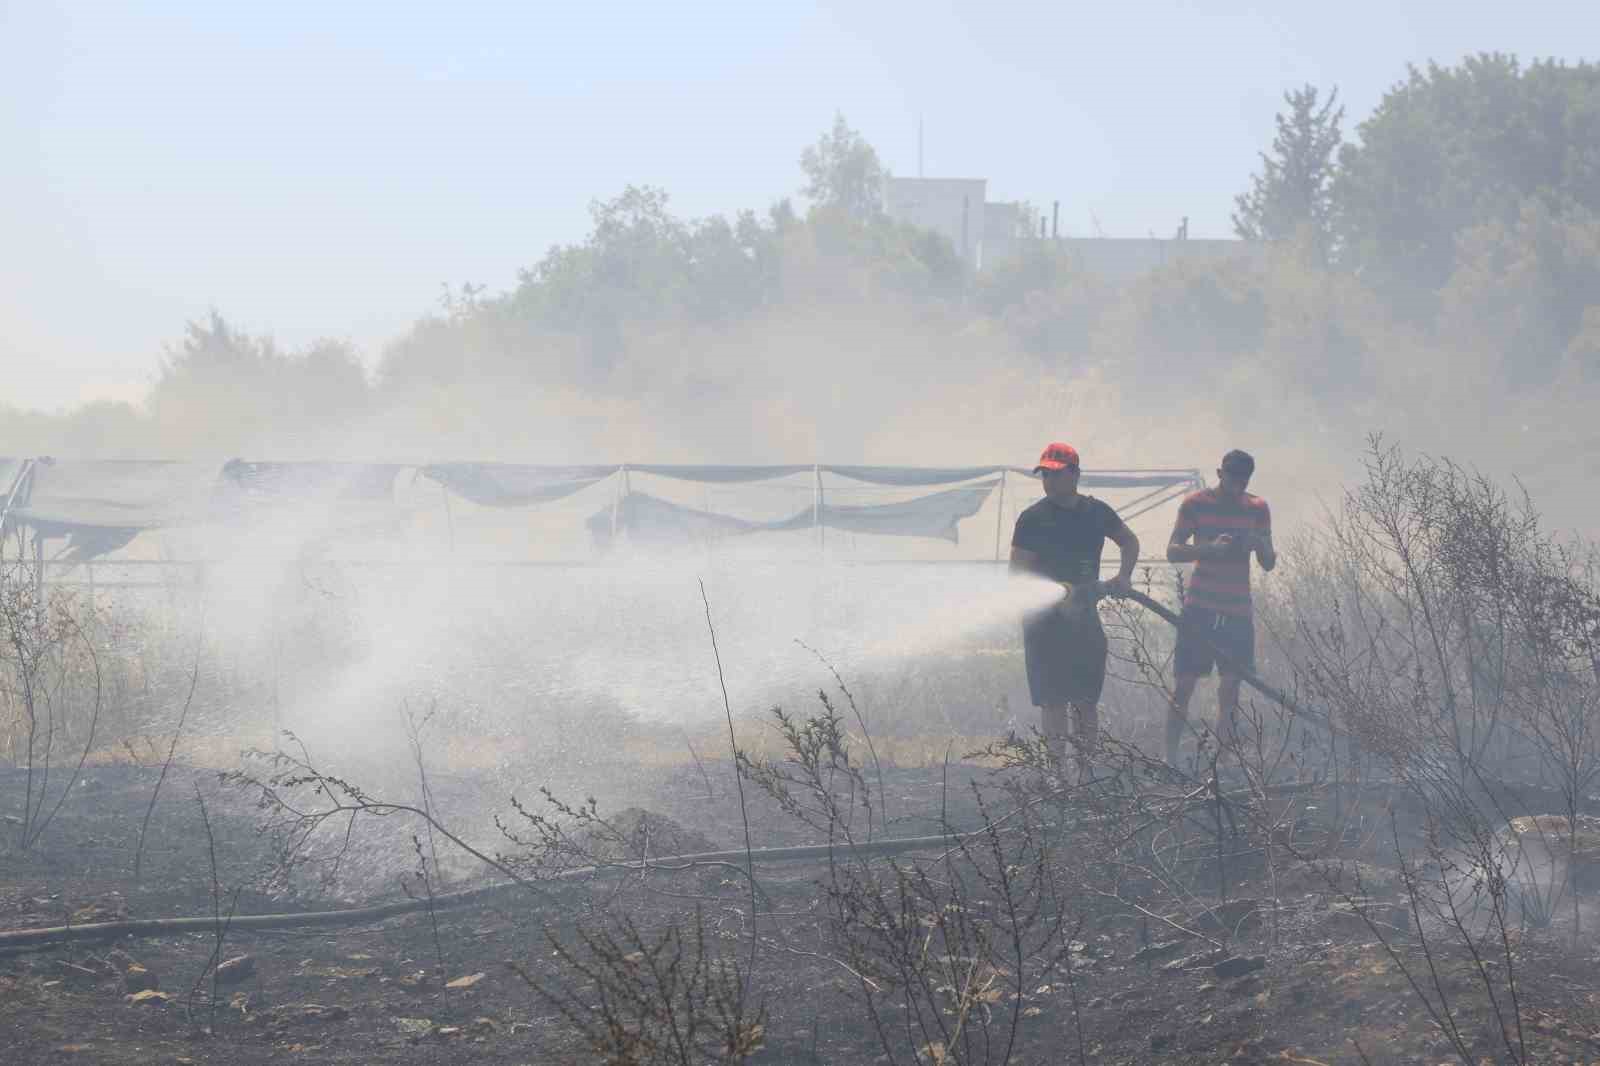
[1222,547]
[1266,554]
[1117,586]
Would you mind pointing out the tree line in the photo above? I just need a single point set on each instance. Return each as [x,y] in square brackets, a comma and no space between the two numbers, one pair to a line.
[1456,235]
[1472,196]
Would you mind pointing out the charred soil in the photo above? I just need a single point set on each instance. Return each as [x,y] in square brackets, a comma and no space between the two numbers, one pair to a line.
[1301,980]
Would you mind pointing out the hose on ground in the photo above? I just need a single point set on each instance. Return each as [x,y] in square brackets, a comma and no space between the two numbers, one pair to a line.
[145,927]
[1234,667]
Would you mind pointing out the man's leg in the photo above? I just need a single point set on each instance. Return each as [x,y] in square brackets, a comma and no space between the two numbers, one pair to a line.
[1178,714]
[1055,729]
[1236,636]
[1191,660]
[1227,710]
[1085,735]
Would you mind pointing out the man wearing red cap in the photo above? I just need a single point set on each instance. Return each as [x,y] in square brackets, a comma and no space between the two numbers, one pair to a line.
[1061,537]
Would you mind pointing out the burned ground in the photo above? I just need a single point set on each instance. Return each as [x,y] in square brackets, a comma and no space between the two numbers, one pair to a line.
[1309,981]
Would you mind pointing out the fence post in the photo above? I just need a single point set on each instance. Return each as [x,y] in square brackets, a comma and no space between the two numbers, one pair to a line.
[38,568]
[816,502]
[449,518]
[616,499]
[1000,515]
[11,497]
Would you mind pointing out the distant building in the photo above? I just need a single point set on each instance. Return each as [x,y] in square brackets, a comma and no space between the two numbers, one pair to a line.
[987,234]
[951,207]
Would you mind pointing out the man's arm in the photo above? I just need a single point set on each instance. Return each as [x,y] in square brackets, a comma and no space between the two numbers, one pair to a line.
[1128,542]
[1024,561]
[1179,550]
[1266,554]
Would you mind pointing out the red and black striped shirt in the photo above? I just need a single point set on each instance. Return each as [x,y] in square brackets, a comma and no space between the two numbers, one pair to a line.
[1221,585]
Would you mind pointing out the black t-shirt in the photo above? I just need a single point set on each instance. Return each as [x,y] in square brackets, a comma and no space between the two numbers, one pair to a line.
[1068,542]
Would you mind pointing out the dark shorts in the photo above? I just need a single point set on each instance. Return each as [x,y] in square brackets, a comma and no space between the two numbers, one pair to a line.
[1066,659]
[1202,633]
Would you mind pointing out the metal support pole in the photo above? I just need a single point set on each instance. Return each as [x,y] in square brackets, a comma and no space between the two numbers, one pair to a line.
[616,499]
[966,206]
[16,486]
[11,496]
[449,519]
[1000,515]
[38,569]
[816,502]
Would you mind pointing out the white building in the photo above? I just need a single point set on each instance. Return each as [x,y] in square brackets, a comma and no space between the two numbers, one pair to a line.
[951,207]
[987,234]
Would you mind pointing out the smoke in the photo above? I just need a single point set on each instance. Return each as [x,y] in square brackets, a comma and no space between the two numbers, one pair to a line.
[355,624]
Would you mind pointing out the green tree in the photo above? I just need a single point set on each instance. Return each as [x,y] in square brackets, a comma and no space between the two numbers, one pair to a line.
[328,380]
[632,267]
[842,171]
[1293,192]
[575,314]
[1583,351]
[1523,290]
[640,262]
[1046,301]
[222,381]
[1451,148]
[214,350]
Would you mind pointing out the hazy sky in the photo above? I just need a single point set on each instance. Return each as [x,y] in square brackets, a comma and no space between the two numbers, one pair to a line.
[320,169]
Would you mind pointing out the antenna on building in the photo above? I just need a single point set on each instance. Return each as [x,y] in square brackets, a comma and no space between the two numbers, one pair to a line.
[919,146]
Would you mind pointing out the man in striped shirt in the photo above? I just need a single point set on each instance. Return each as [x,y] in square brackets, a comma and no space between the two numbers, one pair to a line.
[1226,525]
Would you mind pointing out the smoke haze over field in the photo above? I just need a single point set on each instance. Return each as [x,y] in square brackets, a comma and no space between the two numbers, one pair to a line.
[1405,275]
[901,384]
[550,421]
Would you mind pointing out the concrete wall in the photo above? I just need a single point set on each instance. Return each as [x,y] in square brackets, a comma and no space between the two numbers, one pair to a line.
[1124,259]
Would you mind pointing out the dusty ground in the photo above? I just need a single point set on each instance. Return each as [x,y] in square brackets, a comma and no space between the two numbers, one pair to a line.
[373,992]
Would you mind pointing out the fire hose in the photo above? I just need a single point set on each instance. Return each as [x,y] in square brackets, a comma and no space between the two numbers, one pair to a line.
[1233,666]
[59,934]
[1080,600]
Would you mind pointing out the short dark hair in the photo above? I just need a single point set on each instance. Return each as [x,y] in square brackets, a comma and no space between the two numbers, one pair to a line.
[1241,462]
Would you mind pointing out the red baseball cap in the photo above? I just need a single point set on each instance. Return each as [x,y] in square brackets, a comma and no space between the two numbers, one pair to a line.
[1057,456]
